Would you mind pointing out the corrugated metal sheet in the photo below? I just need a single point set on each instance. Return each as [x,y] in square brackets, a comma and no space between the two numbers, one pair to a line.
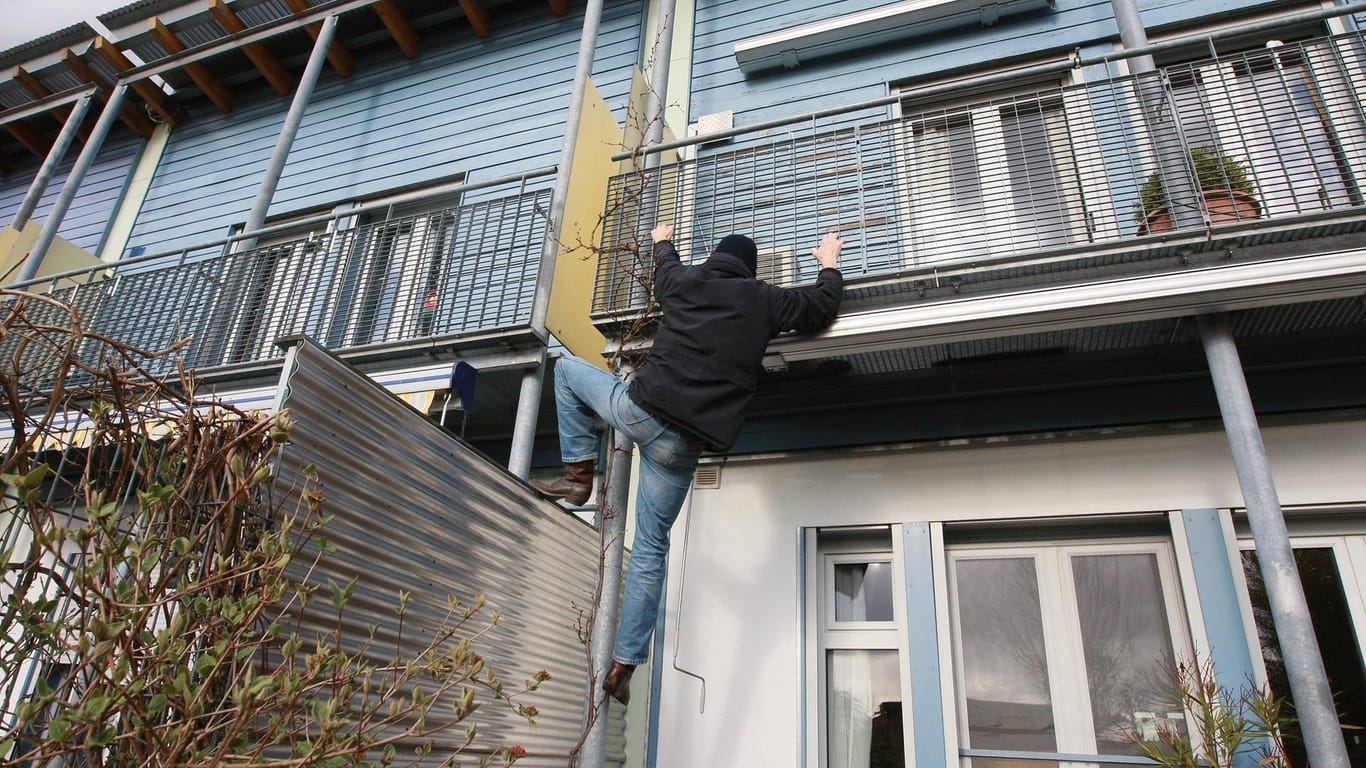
[415,509]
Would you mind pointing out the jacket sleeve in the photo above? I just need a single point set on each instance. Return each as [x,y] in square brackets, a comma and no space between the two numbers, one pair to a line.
[667,266]
[809,308]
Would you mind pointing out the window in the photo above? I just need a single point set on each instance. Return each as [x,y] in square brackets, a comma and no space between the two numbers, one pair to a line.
[860,611]
[996,176]
[1333,572]
[1062,648]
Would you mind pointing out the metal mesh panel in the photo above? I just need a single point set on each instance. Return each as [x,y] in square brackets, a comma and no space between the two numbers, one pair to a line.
[1271,134]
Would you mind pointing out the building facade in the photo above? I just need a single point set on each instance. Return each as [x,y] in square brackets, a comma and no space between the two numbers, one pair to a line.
[976,521]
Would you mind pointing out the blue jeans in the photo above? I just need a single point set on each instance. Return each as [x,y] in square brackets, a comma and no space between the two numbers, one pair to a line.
[667,460]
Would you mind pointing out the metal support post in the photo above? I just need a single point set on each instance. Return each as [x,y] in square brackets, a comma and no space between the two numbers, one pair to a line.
[302,95]
[1289,610]
[53,159]
[84,160]
[524,423]
[659,79]
[612,524]
[1164,125]
[524,433]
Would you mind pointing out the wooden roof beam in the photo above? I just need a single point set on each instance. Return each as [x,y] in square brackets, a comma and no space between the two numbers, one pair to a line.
[30,138]
[559,7]
[37,90]
[221,96]
[343,63]
[147,89]
[478,16]
[398,27]
[136,121]
[261,57]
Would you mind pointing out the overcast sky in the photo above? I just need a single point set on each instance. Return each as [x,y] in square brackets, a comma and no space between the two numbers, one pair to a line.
[24,20]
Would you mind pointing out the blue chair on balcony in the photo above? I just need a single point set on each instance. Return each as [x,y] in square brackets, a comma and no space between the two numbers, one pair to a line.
[461,389]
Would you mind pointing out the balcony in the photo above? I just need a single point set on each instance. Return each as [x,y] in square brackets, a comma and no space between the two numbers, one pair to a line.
[1001,193]
[367,283]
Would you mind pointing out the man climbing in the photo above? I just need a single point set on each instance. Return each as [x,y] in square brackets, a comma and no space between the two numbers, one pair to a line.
[690,394]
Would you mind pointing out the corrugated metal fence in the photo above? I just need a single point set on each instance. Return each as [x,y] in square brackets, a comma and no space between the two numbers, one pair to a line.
[417,510]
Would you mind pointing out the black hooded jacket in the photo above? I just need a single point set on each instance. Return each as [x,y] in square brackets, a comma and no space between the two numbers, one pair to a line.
[718,319]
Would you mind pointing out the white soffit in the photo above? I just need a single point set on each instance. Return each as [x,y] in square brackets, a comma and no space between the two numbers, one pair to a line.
[897,21]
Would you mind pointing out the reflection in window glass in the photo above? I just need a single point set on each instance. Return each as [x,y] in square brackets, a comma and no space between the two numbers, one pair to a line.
[863,710]
[1331,616]
[863,592]
[1005,668]
[1127,643]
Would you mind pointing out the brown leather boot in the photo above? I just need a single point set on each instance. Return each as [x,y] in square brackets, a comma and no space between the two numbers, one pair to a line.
[617,683]
[574,486]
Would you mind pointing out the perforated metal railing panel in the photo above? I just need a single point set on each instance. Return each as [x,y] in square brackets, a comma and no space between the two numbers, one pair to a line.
[1272,134]
[466,269]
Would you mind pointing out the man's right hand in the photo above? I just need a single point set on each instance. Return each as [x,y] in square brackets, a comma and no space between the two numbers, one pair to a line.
[828,252]
[662,232]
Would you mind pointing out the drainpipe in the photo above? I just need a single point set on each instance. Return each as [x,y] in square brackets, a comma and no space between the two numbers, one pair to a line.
[529,400]
[53,159]
[1159,112]
[73,181]
[266,192]
[612,524]
[1289,610]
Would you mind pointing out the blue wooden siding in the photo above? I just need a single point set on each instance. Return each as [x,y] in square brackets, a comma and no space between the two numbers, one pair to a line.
[88,217]
[719,85]
[484,108]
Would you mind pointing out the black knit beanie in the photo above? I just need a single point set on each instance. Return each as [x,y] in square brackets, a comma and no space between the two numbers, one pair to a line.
[742,248]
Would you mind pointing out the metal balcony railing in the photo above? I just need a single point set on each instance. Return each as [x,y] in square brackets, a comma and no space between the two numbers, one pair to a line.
[373,280]
[1011,177]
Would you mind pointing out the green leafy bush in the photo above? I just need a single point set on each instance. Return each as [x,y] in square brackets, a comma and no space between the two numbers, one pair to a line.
[1214,171]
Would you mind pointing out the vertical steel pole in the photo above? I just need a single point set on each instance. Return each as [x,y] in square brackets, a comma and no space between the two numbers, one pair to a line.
[1159,112]
[529,399]
[285,142]
[53,159]
[612,525]
[1289,610]
[659,80]
[73,182]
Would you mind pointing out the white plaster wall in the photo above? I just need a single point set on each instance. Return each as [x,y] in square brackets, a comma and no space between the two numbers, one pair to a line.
[733,602]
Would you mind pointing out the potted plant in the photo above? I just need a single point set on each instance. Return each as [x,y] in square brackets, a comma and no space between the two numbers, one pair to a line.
[1225,192]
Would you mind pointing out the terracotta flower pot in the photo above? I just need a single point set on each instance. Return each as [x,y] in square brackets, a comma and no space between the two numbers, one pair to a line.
[1224,206]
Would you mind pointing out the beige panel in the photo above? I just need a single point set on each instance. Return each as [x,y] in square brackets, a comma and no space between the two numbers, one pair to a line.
[571,294]
[61,255]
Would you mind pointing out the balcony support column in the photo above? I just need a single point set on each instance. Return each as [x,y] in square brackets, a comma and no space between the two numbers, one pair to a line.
[1289,610]
[84,160]
[1163,123]
[54,158]
[529,401]
[256,218]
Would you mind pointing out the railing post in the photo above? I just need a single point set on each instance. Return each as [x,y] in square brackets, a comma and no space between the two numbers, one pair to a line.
[53,159]
[73,182]
[1289,610]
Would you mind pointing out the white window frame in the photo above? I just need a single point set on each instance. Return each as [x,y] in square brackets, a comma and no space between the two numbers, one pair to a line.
[1069,694]
[829,635]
